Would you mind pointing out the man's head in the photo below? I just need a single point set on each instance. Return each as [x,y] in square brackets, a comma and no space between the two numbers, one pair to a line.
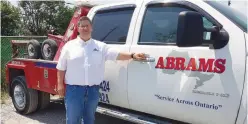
[85,27]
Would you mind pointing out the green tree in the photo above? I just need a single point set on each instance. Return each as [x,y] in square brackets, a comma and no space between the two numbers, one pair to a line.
[64,17]
[41,16]
[10,19]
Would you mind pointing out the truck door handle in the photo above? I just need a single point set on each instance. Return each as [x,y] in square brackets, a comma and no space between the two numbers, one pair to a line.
[148,59]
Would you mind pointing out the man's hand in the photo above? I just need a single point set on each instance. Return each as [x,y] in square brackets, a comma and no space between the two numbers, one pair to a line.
[127,56]
[61,90]
[139,56]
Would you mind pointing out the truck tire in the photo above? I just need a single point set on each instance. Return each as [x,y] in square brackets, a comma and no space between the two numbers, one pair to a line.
[49,49]
[43,100]
[25,100]
[33,49]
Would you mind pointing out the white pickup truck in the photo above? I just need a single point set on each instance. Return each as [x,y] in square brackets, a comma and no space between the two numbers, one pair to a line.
[197,70]
[197,66]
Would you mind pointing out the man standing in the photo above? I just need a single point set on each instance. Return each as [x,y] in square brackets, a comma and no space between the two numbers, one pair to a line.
[81,66]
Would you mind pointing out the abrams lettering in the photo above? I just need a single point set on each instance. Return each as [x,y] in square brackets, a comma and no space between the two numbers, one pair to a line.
[205,65]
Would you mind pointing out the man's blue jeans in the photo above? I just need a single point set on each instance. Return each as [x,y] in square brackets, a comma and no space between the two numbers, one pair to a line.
[81,103]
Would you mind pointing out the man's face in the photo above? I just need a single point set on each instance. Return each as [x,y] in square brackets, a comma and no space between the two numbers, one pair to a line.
[85,28]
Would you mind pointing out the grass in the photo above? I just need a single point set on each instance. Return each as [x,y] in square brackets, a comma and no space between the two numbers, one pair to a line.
[4,97]
[4,92]
[5,57]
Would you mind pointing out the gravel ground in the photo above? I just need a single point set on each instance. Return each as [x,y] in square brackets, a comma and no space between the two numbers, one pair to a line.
[54,114]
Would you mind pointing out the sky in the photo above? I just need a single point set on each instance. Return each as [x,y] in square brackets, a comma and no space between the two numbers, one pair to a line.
[240,5]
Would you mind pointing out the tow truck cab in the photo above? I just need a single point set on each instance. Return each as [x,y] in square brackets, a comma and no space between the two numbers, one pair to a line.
[197,66]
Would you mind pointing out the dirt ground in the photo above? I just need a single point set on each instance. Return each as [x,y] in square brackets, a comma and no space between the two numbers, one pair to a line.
[54,114]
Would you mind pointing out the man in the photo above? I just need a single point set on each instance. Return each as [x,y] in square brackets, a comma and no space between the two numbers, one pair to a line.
[81,64]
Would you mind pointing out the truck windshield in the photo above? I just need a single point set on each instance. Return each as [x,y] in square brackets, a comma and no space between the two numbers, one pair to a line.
[235,16]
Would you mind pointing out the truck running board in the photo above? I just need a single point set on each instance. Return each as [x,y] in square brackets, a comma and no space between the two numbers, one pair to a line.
[128,116]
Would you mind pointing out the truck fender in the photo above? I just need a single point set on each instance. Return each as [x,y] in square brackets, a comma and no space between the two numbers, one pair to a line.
[242,112]
[12,73]
[245,122]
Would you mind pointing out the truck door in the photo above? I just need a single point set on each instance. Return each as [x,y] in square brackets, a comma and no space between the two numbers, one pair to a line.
[190,84]
[111,25]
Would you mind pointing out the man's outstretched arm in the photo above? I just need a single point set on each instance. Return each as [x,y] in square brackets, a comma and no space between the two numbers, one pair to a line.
[115,54]
[127,56]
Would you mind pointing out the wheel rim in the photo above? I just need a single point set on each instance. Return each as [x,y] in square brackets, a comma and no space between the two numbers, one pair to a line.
[31,50]
[19,96]
[47,50]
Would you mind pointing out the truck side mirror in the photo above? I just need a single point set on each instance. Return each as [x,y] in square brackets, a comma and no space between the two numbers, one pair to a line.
[190,29]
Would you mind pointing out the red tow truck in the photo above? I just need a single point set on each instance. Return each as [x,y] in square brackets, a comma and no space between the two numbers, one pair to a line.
[32,79]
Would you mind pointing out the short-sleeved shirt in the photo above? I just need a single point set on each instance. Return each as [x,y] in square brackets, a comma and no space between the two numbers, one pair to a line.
[84,61]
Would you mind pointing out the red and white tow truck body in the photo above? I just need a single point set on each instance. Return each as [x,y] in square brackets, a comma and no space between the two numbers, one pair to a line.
[187,78]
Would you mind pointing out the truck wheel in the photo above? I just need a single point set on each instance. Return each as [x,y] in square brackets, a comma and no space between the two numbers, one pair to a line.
[43,100]
[25,100]
[33,48]
[49,49]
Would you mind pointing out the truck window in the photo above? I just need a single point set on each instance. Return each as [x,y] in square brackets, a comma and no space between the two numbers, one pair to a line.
[111,26]
[160,25]
[207,24]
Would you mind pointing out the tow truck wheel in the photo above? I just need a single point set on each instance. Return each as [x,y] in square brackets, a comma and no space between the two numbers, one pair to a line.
[25,100]
[43,100]
[49,49]
[33,49]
